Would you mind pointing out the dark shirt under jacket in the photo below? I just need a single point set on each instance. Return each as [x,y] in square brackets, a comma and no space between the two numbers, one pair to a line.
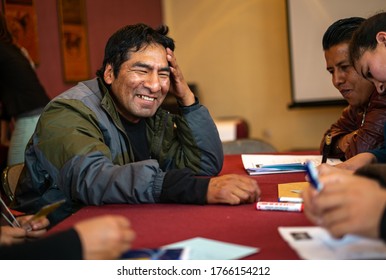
[20,88]
[378,173]
[380,153]
[137,135]
[180,185]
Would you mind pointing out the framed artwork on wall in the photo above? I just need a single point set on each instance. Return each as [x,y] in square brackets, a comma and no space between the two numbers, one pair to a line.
[22,22]
[73,40]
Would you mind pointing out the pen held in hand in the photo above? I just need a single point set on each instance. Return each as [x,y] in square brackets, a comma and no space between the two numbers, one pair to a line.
[12,223]
[312,174]
[281,166]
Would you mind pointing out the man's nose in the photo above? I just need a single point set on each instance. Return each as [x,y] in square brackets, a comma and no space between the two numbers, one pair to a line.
[338,78]
[153,82]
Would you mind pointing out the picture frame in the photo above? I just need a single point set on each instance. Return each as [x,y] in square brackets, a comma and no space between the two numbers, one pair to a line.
[22,23]
[73,40]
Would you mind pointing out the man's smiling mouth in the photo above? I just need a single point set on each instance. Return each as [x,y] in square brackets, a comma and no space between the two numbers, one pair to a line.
[147,98]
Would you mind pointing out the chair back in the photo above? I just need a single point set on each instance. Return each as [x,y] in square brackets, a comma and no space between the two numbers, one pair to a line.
[10,178]
[247,146]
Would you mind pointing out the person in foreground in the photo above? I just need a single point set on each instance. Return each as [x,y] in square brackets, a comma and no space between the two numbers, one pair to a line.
[348,203]
[360,126]
[103,237]
[356,203]
[107,140]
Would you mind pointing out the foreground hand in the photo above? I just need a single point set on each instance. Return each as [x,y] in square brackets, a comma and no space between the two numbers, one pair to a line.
[35,228]
[347,204]
[106,237]
[326,169]
[232,189]
[357,161]
[178,86]
[12,235]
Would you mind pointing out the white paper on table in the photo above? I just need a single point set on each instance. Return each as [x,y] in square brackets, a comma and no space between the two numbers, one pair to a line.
[252,161]
[315,243]
[207,249]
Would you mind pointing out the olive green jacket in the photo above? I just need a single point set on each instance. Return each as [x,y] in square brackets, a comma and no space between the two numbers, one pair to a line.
[80,152]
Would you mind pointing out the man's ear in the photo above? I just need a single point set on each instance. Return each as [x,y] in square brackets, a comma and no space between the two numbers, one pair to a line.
[108,74]
[381,37]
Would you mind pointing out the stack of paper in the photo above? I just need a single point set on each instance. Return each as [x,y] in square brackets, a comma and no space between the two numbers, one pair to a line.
[272,164]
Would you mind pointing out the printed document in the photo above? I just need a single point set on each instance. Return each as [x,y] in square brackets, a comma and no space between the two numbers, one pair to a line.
[315,243]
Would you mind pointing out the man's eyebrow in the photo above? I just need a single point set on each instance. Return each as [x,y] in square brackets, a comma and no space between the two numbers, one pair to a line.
[344,62]
[147,66]
[142,65]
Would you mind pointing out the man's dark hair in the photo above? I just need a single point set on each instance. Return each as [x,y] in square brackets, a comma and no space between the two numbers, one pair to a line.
[365,37]
[132,38]
[341,31]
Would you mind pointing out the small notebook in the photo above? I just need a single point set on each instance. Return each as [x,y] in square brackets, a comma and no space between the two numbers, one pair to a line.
[291,189]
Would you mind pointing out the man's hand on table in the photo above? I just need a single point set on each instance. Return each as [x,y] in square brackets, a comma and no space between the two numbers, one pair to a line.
[232,189]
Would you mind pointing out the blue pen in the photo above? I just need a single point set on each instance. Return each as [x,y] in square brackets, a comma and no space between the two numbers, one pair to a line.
[313,176]
[283,166]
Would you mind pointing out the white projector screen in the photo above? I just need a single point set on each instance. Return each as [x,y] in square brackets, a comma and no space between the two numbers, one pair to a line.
[307,22]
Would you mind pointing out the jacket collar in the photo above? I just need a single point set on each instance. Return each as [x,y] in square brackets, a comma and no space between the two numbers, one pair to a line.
[107,102]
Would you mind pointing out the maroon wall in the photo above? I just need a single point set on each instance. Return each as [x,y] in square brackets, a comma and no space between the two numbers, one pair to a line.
[103,17]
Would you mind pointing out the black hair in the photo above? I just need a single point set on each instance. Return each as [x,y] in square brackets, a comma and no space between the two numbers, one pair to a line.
[365,37]
[132,38]
[341,31]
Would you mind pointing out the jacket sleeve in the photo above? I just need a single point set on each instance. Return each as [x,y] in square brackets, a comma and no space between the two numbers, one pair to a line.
[374,171]
[355,136]
[345,125]
[204,151]
[380,153]
[369,135]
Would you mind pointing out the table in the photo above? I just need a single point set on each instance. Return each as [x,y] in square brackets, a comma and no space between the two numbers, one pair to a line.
[161,224]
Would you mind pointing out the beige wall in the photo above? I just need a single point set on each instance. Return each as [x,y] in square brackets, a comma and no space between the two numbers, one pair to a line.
[237,53]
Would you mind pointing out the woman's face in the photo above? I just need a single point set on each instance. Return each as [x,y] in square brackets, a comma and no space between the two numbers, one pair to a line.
[372,64]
